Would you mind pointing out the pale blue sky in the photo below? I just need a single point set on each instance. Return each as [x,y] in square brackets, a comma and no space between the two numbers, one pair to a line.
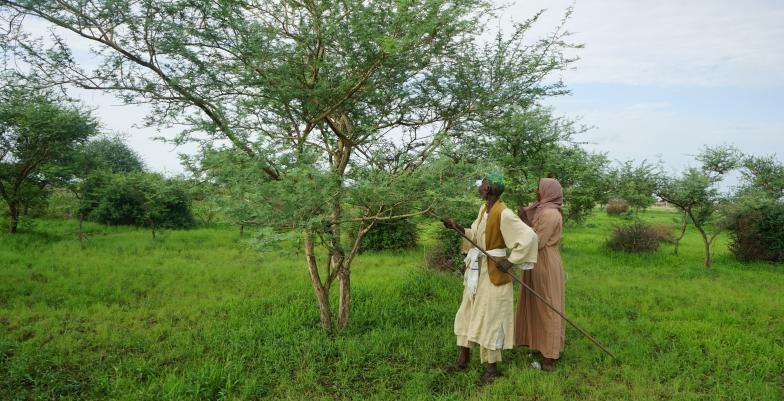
[660,79]
[656,79]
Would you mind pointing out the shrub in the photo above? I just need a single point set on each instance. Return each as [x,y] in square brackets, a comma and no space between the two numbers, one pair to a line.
[617,206]
[142,199]
[757,232]
[664,232]
[446,255]
[390,235]
[635,237]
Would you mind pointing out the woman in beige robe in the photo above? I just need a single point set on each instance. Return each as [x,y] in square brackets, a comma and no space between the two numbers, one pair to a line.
[536,325]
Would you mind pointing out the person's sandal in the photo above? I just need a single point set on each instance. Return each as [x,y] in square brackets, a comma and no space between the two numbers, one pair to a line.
[489,377]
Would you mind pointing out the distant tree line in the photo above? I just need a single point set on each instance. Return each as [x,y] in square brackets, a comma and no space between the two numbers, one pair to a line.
[50,144]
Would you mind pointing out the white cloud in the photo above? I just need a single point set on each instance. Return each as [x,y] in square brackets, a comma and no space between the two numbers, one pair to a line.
[671,42]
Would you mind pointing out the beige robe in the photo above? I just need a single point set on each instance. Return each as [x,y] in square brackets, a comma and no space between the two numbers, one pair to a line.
[487,318]
[536,325]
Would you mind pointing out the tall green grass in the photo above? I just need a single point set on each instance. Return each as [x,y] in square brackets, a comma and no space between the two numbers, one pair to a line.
[199,315]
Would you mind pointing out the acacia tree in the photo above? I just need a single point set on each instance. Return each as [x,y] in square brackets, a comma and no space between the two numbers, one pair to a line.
[534,143]
[634,183]
[762,175]
[583,176]
[696,193]
[523,143]
[330,98]
[38,135]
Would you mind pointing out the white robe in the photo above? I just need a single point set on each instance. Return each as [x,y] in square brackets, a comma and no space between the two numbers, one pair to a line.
[487,317]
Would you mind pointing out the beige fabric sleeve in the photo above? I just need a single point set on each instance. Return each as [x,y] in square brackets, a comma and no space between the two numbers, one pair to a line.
[519,238]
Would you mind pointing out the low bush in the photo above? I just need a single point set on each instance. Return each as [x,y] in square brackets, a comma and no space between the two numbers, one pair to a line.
[635,237]
[757,232]
[143,199]
[617,206]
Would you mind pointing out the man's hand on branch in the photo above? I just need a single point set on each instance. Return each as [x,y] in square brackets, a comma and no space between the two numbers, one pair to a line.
[452,224]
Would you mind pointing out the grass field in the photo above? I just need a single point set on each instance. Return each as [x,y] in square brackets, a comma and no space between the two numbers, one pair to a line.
[199,315]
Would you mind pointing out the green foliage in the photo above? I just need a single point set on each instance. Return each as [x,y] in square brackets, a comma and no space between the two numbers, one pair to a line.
[445,253]
[62,203]
[719,160]
[109,153]
[524,144]
[634,237]
[762,177]
[39,135]
[757,230]
[533,144]
[636,184]
[697,195]
[143,199]
[392,235]
[332,105]
[756,214]
[583,176]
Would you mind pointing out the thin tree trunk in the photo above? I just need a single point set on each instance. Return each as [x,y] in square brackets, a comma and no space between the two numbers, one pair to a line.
[344,278]
[344,305]
[338,256]
[242,229]
[707,243]
[13,224]
[321,291]
[683,232]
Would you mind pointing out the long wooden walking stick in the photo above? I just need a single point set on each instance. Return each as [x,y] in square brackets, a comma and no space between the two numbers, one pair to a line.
[536,294]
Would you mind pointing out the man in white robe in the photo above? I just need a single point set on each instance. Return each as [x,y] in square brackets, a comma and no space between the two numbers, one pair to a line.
[486,313]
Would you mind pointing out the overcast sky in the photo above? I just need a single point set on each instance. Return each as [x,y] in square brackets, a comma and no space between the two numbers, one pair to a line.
[656,79]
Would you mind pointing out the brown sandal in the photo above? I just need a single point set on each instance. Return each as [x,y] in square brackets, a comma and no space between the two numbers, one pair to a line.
[489,376]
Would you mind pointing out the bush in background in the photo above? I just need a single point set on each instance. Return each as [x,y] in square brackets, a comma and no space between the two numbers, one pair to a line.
[144,199]
[446,254]
[62,204]
[390,235]
[757,231]
[635,237]
[617,206]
